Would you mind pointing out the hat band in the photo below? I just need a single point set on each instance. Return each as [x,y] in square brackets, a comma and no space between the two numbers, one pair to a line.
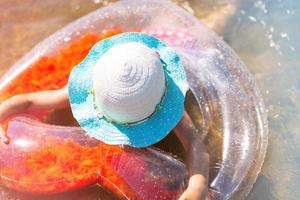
[102,115]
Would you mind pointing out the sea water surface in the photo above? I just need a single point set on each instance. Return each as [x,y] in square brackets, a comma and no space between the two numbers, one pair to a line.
[266,36]
[264,33]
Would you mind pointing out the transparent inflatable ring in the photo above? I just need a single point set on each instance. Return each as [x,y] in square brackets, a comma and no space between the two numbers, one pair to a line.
[47,159]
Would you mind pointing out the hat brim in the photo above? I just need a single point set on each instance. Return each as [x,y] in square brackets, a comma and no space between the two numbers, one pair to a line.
[141,134]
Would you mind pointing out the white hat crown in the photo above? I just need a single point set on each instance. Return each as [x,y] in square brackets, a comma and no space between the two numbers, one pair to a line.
[129,82]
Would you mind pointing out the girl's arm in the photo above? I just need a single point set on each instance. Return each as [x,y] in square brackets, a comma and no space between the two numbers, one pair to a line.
[197,159]
[52,99]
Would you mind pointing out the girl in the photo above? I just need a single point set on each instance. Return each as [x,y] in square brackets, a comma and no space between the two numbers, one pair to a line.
[197,156]
[122,63]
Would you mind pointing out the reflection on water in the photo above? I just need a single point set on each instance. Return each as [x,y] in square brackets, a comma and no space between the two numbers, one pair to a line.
[263,33]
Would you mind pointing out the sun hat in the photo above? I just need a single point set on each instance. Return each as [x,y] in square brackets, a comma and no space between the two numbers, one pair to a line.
[129,90]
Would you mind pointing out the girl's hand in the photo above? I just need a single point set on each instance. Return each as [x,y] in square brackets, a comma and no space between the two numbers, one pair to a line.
[52,99]
[3,136]
[197,159]
[8,108]
[196,190]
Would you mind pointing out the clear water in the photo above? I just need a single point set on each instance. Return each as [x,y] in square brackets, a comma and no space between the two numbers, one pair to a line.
[263,33]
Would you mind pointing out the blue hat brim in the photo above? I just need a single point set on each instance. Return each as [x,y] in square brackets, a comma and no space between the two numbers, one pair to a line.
[142,134]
